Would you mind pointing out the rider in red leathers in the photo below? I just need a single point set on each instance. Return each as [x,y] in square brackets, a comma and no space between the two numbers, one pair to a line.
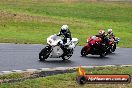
[102,35]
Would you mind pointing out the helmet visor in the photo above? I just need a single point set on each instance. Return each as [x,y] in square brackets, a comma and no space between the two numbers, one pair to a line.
[63,31]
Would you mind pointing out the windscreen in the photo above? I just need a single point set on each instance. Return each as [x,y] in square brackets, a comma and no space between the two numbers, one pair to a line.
[55,37]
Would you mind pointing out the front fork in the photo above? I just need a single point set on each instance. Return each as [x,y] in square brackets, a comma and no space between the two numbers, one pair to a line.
[88,47]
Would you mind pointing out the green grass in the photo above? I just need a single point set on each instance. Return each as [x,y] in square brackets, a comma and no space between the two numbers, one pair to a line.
[69,80]
[10,76]
[28,21]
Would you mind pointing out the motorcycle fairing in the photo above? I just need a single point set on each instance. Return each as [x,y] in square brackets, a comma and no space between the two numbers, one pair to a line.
[56,52]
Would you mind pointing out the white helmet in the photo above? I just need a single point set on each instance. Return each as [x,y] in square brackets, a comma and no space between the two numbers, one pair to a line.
[101,32]
[109,31]
[64,27]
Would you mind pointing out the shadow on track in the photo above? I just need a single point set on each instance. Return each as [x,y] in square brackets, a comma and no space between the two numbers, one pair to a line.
[57,61]
[113,54]
[98,57]
[95,57]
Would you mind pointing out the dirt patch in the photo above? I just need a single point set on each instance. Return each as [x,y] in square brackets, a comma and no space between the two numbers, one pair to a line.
[6,17]
[33,75]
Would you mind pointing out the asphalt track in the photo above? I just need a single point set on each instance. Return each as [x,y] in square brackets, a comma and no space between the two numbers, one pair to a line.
[25,56]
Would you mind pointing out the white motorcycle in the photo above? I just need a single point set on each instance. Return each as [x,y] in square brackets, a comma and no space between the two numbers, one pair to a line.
[56,49]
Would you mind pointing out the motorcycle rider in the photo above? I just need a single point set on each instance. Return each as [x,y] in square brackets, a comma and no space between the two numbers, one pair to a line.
[110,34]
[105,40]
[65,32]
[103,36]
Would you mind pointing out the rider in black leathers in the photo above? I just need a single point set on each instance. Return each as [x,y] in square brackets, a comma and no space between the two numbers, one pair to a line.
[65,32]
[110,34]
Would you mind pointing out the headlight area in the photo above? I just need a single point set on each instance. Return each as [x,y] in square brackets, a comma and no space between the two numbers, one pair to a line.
[50,41]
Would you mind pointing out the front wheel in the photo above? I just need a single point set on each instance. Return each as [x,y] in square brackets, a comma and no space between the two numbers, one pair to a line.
[110,49]
[113,48]
[83,51]
[103,54]
[44,53]
[68,55]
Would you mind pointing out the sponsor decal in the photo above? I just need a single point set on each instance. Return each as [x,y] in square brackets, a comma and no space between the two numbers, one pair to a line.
[83,78]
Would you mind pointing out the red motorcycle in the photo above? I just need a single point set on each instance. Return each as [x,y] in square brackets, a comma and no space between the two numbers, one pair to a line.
[94,46]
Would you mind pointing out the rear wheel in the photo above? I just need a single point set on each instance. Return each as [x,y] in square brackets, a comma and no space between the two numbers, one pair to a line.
[44,53]
[83,51]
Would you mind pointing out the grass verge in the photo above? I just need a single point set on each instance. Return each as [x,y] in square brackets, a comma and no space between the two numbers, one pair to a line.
[69,80]
[31,21]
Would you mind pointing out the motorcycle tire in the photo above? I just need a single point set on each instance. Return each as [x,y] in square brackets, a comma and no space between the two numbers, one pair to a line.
[110,49]
[68,55]
[83,51]
[44,53]
[103,54]
[114,48]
